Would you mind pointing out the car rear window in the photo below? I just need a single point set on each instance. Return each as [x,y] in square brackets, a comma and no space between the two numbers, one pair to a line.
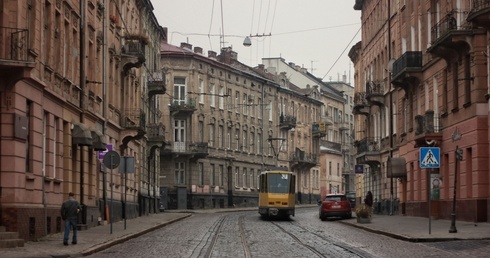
[336,198]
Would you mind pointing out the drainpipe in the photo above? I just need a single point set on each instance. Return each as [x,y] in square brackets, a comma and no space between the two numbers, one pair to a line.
[104,106]
[43,176]
[391,110]
[82,95]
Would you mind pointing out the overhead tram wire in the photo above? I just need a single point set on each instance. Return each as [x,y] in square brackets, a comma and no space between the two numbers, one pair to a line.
[210,26]
[348,44]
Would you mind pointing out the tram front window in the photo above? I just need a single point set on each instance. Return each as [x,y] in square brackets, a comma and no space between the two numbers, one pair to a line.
[278,183]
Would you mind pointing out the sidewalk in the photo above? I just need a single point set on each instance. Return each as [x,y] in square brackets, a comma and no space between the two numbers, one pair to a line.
[415,229]
[93,239]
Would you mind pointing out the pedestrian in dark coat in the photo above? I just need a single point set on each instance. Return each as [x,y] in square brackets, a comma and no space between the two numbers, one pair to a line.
[369,199]
[69,213]
[369,202]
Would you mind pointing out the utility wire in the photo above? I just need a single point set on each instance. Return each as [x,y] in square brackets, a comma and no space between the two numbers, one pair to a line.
[348,45]
[267,16]
[210,26]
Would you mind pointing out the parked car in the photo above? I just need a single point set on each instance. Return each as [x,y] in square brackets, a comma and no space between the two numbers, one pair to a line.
[351,196]
[335,205]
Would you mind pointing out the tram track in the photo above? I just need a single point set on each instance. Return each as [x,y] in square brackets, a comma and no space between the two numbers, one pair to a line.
[322,246]
[210,240]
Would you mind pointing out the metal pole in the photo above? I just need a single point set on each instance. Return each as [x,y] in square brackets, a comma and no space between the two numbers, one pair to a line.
[125,189]
[430,200]
[391,109]
[453,229]
[82,107]
[112,186]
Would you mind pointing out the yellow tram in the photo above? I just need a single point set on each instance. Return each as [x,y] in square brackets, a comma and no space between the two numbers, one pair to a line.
[277,192]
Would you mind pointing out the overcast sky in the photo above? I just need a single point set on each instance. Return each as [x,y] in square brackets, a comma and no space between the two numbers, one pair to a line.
[309,33]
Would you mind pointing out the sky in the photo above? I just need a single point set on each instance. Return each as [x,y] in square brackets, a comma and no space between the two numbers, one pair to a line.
[314,34]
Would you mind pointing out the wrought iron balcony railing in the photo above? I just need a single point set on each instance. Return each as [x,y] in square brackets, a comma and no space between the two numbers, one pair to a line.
[189,105]
[368,144]
[156,132]
[375,87]
[360,98]
[303,157]
[410,60]
[15,45]
[335,146]
[134,119]
[156,84]
[287,122]
[187,147]
[319,129]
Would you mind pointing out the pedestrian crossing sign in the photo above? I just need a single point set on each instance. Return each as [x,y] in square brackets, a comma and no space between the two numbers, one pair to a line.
[430,157]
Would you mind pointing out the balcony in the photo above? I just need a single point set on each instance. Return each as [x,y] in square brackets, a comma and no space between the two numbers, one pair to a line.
[428,129]
[192,150]
[133,123]
[361,105]
[14,52]
[375,93]
[133,52]
[346,171]
[344,126]
[331,147]
[480,13]
[183,108]
[155,134]
[368,151]
[407,70]
[156,84]
[133,119]
[318,130]
[287,122]
[327,120]
[451,35]
[300,159]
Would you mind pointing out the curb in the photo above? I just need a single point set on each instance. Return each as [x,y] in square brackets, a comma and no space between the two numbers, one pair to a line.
[103,246]
[409,239]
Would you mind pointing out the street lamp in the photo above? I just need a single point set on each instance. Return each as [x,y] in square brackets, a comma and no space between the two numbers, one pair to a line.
[248,42]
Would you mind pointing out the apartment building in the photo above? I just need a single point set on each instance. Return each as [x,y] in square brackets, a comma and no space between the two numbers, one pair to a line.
[334,143]
[60,112]
[229,122]
[422,81]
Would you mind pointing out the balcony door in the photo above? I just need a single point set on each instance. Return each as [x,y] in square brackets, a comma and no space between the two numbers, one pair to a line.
[179,135]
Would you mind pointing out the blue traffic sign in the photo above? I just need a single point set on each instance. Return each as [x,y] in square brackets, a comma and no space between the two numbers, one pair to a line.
[430,157]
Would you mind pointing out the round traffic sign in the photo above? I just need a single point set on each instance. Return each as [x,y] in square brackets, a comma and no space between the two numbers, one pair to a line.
[111,159]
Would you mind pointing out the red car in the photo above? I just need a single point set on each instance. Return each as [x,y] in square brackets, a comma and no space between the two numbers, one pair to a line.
[335,205]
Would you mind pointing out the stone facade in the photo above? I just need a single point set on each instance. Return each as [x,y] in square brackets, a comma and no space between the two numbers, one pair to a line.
[229,122]
[57,111]
[422,81]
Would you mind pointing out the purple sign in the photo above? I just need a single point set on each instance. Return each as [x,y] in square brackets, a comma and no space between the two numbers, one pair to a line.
[359,169]
[102,153]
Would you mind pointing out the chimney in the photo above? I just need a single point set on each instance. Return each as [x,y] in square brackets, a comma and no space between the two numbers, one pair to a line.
[344,78]
[165,33]
[198,50]
[211,54]
[228,55]
[261,67]
[303,70]
[186,45]
[291,64]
